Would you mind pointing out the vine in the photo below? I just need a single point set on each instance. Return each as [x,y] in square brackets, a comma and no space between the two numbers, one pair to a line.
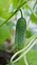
[28,47]
[26,51]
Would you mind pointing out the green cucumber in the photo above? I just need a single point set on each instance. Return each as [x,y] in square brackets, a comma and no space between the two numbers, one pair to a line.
[20,33]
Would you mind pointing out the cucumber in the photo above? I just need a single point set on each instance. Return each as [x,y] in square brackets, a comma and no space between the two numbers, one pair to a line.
[20,34]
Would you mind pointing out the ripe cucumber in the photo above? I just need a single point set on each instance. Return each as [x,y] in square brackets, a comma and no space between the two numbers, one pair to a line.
[20,33]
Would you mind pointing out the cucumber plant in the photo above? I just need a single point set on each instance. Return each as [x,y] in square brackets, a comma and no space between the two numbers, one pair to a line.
[20,32]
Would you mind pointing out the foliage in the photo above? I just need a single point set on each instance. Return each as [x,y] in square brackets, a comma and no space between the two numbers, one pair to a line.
[8,9]
[29,33]
[4,32]
[31,57]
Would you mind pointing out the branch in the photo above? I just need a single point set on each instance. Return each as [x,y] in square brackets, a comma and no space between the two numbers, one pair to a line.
[14,12]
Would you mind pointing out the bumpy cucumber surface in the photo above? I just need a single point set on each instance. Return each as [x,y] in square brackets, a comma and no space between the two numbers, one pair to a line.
[20,33]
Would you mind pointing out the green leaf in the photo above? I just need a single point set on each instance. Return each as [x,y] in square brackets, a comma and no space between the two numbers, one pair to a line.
[33,19]
[32,57]
[4,4]
[26,6]
[16,3]
[29,33]
[20,62]
[6,15]
[4,8]
[4,32]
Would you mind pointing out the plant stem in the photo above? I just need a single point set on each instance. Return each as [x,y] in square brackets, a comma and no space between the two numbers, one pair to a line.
[14,12]
[21,13]
[26,51]
[25,60]
[31,39]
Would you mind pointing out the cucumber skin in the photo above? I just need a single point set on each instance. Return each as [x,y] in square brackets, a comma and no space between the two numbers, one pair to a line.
[20,33]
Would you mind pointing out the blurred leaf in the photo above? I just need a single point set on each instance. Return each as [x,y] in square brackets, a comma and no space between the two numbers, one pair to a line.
[1,20]
[26,6]
[29,33]
[4,4]
[33,16]
[33,19]
[27,10]
[4,8]
[4,32]
[16,3]
[20,62]
[5,14]
[32,57]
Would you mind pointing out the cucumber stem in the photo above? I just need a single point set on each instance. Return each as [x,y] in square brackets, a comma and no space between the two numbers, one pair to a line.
[21,13]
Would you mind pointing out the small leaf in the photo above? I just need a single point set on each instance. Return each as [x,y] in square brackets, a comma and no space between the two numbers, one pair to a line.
[29,33]
[33,19]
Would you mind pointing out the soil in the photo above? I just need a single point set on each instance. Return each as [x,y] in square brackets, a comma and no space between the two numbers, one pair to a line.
[4,57]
